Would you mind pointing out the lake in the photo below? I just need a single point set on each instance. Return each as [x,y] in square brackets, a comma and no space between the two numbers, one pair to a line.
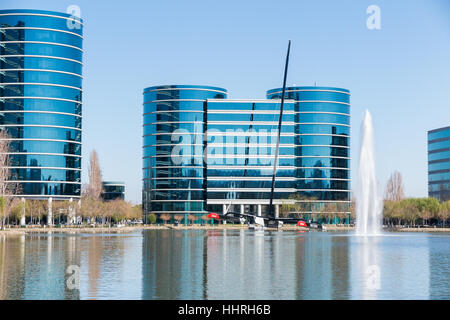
[225,264]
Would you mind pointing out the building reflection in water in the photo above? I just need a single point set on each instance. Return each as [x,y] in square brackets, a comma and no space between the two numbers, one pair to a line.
[33,267]
[225,264]
[172,264]
[238,264]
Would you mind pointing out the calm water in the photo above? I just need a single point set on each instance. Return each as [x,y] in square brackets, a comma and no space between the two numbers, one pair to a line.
[226,264]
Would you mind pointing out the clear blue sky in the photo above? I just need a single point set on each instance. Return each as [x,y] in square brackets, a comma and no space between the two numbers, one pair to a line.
[401,73]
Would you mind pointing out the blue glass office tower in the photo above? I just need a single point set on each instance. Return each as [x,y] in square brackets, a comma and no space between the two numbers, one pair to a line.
[240,146]
[322,145]
[173,179]
[203,152]
[439,163]
[40,100]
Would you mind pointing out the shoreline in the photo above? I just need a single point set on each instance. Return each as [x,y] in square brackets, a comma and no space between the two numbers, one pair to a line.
[106,230]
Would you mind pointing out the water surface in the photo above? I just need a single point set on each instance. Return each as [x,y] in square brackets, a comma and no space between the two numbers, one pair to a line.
[226,264]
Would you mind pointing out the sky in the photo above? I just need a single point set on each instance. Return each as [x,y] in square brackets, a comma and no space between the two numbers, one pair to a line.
[400,73]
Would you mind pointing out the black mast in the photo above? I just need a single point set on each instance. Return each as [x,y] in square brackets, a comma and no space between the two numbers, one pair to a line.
[271,213]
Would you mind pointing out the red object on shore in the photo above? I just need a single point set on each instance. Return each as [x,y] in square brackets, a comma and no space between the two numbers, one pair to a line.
[213,215]
[302,224]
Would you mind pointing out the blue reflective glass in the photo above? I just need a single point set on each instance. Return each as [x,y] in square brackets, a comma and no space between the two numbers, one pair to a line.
[322,118]
[322,129]
[439,155]
[250,172]
[439,176]
[46,147]
[439,145]
[176,172]
[249,184]
[285,128]
[58,64]
[249,161]
[176,183]
[51,189]
[173,127]
[323,151]
[323,162]
[439,166]
[174,116]
[445,133]
[248,106]
[183,207]
[40,174]
[42,77]
[41,49]
[177,195]
[323,173]
[323,140]
[44,133]
[251,196]
[33,118]
[323,107]
[247,117]
[439,187]
[200,94]
[39,19]
[55,59]
[41,105]
[312,94]
[327,195]
[48,36]
[173,106]
[323,184]
[37,160]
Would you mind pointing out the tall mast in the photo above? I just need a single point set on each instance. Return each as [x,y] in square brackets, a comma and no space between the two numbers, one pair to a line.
[271,213]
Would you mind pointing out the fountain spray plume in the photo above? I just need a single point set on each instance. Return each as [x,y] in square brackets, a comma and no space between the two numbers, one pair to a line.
[368,202]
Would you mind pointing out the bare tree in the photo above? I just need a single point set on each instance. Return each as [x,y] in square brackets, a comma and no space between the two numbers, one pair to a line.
[8,189]
[95,187]
[394,187]
[4,162]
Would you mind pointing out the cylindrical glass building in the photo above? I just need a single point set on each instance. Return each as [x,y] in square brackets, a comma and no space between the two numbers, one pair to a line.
[439,163]
[40,100]
[322,143]
[173,166]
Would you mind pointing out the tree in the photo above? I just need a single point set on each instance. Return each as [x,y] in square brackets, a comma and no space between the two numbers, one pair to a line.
[444,212]
[192,218]
[95,186]
[179,217]
[152,218]
[394,187]
[165,217]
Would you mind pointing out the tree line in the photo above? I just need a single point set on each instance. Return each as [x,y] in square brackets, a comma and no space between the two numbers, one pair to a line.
[90,209]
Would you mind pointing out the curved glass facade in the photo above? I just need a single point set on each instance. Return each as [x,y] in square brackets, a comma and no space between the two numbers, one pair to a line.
[322,144]
[203,152]
[439,163]
[40,100]
[173,168]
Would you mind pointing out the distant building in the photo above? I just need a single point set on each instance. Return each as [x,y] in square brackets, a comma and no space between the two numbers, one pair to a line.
[439,163]
[113,190]
[182,123]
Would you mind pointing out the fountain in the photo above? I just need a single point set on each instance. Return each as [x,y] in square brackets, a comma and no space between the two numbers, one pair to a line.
[368,202]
